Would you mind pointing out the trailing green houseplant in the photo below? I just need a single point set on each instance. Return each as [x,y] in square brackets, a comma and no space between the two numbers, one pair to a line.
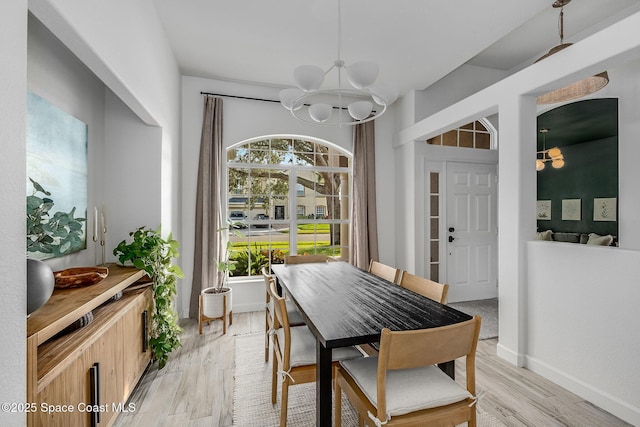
[150,252]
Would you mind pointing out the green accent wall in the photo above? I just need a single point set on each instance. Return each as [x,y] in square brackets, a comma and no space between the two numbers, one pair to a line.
[587,133]
[590,171]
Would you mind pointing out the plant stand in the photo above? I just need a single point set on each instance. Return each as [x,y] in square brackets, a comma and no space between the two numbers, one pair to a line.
[214,306]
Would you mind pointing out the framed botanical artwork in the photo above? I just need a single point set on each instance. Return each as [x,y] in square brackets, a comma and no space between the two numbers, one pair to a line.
[543,208]
[56,180]
[571,210]
[604,209]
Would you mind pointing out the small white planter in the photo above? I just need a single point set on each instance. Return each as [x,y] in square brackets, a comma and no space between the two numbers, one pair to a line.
[215,305]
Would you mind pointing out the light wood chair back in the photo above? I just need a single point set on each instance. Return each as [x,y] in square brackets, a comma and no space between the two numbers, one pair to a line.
[282,356]
[282,353]
[384,271]
[304,259]
[268,308]
[414,349]
[428,288]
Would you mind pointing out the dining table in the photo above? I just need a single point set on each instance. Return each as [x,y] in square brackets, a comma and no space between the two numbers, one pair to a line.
[344,305]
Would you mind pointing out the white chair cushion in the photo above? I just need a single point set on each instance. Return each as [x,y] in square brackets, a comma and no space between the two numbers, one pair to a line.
[408,390]
[303,347]
[295,318]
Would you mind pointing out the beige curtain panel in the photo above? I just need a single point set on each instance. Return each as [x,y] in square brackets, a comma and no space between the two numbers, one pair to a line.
[364,223]
[209,246]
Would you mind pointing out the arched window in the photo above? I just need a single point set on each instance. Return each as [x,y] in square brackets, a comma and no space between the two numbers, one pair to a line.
[476,134]
[287,195]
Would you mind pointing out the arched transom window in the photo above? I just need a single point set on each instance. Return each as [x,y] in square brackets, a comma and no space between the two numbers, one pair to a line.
[287,195]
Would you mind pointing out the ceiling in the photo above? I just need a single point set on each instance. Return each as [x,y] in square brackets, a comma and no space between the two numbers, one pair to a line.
[415,42]
[581,121]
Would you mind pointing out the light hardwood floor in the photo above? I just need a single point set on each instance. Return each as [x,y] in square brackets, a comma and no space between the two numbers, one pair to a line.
[196,386]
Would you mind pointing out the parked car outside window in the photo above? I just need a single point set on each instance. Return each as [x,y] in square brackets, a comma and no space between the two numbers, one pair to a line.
[238,219]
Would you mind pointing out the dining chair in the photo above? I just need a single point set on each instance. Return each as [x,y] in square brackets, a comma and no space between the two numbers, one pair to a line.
[384,271]
[303,259]
[403,385]
[295,318]
[428,288]
[294,353]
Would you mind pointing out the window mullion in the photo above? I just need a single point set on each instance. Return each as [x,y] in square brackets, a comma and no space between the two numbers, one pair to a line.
[293,218]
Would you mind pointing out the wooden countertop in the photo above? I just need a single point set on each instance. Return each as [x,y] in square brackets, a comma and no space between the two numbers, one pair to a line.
[67,305]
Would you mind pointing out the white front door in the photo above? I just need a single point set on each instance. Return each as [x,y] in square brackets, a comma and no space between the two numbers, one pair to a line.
[471,231]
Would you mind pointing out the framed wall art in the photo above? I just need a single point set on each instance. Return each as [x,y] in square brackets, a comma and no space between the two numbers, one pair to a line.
[571,209]
[543,210]
[604,209]
[56,180]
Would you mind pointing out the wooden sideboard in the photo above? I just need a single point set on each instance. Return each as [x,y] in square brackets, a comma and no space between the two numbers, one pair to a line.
[84,378]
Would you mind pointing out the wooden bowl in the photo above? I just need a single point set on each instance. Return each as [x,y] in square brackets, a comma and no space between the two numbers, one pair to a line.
[79,277]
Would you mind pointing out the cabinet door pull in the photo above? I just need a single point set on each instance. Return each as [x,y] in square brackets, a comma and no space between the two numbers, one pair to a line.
[94,373]
[145,331]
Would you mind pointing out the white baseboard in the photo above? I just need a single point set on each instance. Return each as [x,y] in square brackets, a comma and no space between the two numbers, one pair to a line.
[600,398]
[248,307]
[509,355]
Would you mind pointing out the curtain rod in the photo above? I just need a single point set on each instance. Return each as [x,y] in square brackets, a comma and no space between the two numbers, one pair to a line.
[253,99]
[239,97]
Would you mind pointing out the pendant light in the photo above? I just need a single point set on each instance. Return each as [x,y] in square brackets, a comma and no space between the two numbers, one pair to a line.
[308,102]
[580,88]
[553,155]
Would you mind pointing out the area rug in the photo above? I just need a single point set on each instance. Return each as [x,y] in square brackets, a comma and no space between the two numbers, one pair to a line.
[252,393]
[488,309]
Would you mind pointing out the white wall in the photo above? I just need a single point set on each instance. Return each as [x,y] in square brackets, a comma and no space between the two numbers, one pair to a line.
[124,45]
[582,329]
[626,85]
[385,130]
[133,173]
[13,112]
[455,86]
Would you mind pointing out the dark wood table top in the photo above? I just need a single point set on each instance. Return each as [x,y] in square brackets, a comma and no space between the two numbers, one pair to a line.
[344,305]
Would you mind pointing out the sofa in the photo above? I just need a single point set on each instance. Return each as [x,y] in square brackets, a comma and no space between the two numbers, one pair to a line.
[583,238]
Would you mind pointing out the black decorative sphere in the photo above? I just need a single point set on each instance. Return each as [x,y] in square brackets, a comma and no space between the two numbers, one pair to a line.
[40,283]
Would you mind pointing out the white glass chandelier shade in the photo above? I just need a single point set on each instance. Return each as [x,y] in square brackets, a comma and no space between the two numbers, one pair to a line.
[362,74]
[288,98]
[360,110]
[384,93]
[320,112]
[308,77]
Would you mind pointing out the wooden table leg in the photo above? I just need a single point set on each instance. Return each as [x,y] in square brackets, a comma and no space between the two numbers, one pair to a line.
[323,385]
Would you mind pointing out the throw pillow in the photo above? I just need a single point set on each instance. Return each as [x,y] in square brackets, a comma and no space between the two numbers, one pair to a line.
[596,239]
[545,235]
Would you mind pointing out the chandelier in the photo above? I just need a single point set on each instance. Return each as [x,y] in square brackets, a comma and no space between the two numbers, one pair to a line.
[312,104]
[553,155]
[575,90]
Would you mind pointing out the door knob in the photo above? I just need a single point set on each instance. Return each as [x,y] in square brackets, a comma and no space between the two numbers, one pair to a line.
[451,229]
[451,239]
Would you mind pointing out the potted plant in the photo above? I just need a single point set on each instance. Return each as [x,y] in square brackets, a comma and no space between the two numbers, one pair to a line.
[215,301]
[150,252]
